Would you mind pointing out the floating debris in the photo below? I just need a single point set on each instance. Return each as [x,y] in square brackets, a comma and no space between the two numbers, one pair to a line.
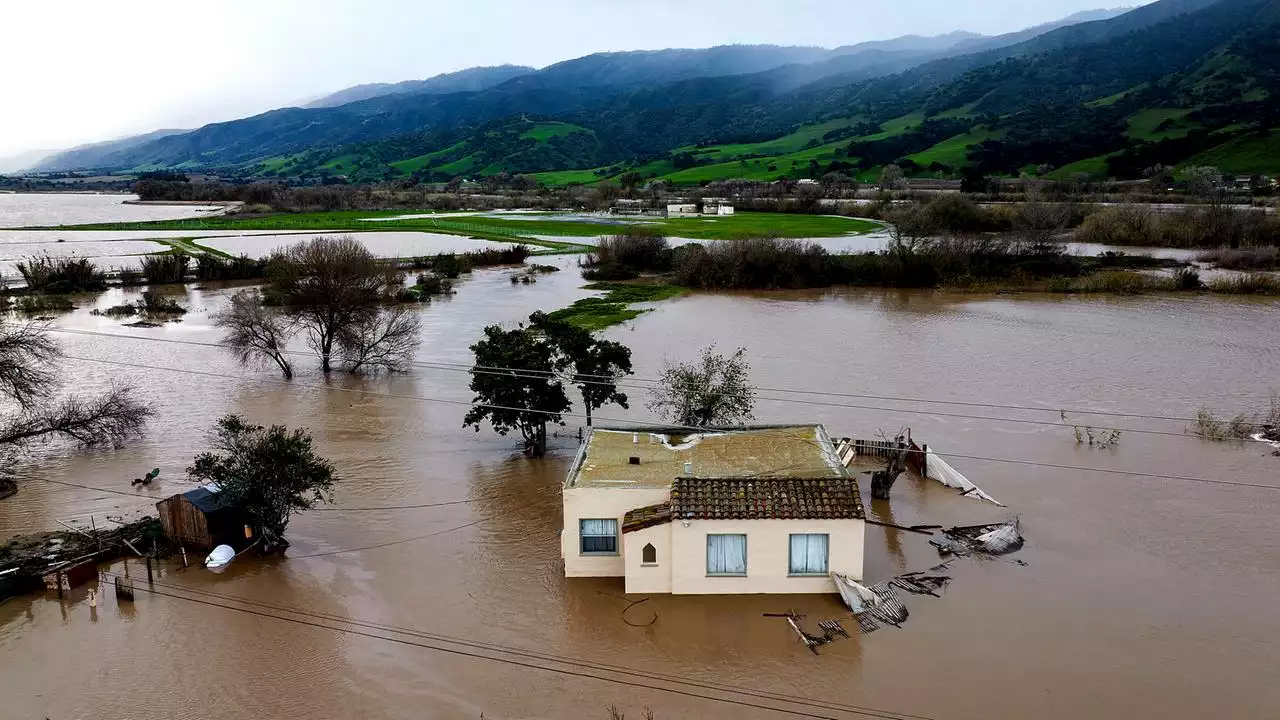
[992,539]
[937,469]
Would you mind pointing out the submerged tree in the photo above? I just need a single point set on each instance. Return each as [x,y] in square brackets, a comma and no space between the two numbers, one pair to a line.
[29,381]
[714,390]
[254,333]
[516,386]
[590,363]
[520,376]
[271,472]
[336,293]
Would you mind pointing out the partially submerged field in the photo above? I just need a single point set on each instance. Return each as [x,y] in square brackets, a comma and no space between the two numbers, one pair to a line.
[528,225]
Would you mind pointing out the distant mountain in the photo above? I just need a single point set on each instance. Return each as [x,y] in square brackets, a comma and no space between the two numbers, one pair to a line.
[469,80]
[852,107]
[986,43]
[98,155]
[22,161]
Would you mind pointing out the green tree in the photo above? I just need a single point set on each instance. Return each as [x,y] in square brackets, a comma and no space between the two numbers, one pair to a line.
[516,386]
[591,364]
[715,390]
[271,472]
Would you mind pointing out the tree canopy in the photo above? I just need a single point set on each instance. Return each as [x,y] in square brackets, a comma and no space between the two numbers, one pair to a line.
[714,390]
[271,472]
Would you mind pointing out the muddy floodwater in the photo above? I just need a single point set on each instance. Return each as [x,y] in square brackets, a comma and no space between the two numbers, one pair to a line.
[1139,596]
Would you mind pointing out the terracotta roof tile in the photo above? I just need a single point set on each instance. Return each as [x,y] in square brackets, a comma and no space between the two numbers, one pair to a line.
[766,498]
[646,517]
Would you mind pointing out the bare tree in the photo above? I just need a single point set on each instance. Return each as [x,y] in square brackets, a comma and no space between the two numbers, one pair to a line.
[254,333]
[27,357]
[385,339]
[28,379]
[330,285]
[714,390]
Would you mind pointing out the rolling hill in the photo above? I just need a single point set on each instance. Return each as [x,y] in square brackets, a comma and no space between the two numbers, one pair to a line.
[1114,94]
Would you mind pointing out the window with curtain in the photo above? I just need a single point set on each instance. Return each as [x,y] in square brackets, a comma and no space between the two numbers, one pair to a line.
[598,537]
[809,554]
[726,554]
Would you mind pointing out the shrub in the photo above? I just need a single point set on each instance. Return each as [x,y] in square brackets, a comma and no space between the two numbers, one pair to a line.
[153,303]
[130,278]
[637,248]
[759,263]
[167,268]
[1187,278]
[1247,284]
[37,304]
[212,267]
[44,273]
[432,284]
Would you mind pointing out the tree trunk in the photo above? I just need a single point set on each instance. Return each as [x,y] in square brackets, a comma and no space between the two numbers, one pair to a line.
[882,482]
[285,367]
[587,405]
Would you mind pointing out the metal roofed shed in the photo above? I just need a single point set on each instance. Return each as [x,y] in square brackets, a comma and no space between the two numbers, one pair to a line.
[203,519]
[606,457]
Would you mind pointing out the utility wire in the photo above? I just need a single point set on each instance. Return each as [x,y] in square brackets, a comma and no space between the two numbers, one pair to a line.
[377,393]
[291,612]
[589,379]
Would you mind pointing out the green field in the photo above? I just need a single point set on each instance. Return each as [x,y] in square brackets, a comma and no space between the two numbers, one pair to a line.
[1144,125]
[789,143]
[544,131]
[568,177]
[1250,155]
[505,228]
[953,152]
[1094,166]
[964,111]
[1113,99]
[414,164]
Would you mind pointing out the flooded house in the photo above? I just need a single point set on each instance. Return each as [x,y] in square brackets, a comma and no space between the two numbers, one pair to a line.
[767,509]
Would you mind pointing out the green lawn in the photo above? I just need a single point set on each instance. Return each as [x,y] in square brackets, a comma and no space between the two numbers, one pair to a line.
[1143,125]
[953,152]
[504,228]
[1252,154]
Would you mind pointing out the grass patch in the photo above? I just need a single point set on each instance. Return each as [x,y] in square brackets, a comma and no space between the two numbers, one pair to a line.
[597,313]
[41,304]
[1242,426]
[560,178]
[1254,154]
[1094,167]
[1248,284]
[954,152]
[1156,124]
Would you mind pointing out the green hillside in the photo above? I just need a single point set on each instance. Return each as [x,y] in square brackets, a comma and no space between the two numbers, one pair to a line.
[1253,154]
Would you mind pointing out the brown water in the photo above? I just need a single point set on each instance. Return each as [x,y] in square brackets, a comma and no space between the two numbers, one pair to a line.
[1142,597]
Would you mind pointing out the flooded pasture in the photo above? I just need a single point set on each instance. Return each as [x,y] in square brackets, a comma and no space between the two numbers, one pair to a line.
[43,209]
[1141,596]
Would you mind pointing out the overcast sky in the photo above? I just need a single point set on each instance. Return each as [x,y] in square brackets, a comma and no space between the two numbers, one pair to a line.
[90,70]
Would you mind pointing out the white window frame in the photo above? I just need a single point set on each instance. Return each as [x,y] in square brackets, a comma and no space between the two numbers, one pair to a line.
[617,542]
[791,558]
[744,555]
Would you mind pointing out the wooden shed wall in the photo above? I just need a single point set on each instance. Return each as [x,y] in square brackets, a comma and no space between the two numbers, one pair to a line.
[184,522]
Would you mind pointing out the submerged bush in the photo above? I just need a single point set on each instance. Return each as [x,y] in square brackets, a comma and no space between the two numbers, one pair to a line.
[758,263]
[634,248]
[167,268]
[212,267]
[36,304]
[1247,284]
[44,273]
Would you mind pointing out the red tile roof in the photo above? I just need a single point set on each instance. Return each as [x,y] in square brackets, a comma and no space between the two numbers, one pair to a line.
[766,498]
[646,517]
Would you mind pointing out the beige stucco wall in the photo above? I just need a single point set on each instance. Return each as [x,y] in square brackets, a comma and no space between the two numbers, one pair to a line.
[768,546]
[587,503]
[642,578]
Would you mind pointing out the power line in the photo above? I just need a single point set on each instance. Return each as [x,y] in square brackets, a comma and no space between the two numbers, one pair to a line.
[401,541]
[360,391]
[622,382]
[545,657]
